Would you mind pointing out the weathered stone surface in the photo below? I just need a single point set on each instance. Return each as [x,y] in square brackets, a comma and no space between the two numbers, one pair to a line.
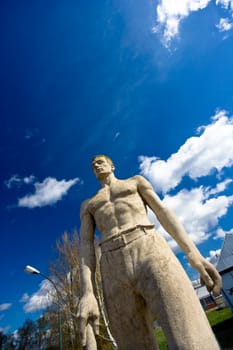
[142,279]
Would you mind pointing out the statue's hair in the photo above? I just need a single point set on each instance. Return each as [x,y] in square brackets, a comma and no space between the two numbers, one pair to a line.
[104,156]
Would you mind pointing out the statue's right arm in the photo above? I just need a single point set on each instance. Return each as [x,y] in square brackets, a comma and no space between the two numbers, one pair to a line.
[170,222]
[88,307]
[87,259]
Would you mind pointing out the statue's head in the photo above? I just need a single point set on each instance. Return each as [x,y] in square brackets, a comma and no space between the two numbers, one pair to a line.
[102,166]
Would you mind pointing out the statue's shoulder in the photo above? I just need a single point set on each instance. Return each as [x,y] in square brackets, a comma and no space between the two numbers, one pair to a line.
[138,178]
[141,182]
[87,204]
[134,178]
[84,207]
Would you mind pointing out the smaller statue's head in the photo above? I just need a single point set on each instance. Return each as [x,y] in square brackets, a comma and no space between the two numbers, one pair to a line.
[102,166]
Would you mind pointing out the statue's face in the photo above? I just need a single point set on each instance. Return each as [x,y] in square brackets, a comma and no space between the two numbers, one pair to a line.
[101,167]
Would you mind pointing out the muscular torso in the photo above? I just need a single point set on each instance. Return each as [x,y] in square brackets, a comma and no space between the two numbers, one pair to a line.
[118,207]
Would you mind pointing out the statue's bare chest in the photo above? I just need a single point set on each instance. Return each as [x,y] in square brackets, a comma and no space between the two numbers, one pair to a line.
[110,195]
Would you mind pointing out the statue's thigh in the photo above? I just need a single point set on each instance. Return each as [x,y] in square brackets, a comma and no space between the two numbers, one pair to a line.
[169,294]
[129,320]
[127,310]
[163,282]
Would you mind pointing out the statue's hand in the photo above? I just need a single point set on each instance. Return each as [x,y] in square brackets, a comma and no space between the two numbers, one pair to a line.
[88,312]
[208,273]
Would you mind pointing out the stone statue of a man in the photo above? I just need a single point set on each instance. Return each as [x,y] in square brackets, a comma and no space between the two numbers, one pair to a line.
[142,278]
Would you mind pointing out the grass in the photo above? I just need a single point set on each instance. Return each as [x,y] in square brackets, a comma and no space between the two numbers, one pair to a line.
[221,322]
[161,339]
[222,325]
[217,316]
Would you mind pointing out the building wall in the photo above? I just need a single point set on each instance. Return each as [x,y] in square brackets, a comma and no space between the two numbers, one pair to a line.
[227,286]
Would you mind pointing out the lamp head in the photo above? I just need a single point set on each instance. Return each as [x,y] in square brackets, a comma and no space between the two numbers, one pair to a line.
[31,270]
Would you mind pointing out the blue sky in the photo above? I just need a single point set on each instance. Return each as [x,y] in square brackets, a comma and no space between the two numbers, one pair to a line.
[148,83]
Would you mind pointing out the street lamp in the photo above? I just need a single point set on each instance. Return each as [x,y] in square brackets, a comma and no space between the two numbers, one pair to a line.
[33,271]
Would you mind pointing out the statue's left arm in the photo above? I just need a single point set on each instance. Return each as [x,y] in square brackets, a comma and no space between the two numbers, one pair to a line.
[209,274]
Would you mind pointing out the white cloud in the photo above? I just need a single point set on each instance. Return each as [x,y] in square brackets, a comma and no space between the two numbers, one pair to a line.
[170,13]
[5,306]
[47,192]
[224,25]
[39,300]
[29,179]
[220,233]
[197,157]
[198,212]
[200,208]
[213,256]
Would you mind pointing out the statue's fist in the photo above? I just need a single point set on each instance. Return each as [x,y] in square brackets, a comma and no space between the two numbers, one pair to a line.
[88,313]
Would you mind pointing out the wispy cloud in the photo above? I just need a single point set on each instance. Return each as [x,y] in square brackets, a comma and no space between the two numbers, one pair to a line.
[15,180]
[206,154]
[47,192]
[221,186]
[213,256]
[171,13]
[39,300]
[220,233]
[5,306]
[224,25]
[227,4]
[30,133]
[116,136]
[25,297]
[4,330]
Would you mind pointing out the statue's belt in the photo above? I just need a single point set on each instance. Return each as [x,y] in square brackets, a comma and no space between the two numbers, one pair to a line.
[125,237]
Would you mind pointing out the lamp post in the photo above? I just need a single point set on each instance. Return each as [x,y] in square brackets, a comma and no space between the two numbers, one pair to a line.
[33,271]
